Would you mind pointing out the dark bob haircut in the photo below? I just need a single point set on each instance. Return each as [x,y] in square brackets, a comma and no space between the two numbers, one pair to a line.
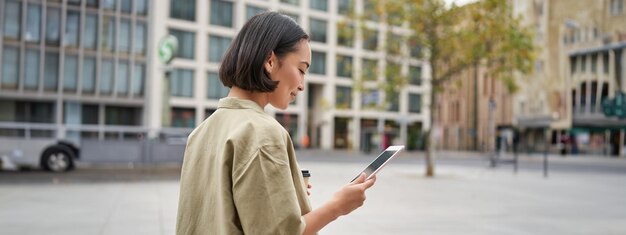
[268,32]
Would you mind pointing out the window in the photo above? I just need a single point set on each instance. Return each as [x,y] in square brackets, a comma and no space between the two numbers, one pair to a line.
[122,116]
[108,31]
[183,9]
[124,36]
[344,66]
[321,5]
[345,7]
[415,75]
[53,25]
[221,13]
[583,64]
[141,7]
[252,11]
[108,4]
[70,72]
[31,76]
[10,67]
[394,102]
[12,19]
[415,48]
[292,2]
[215,88]
[415,103]
[33,23]
[344,97]
[369,98]
[90,114]
[92,3]
[90,32]
[181,83]
[572,63]
[318,62]
[370,39]
[318,30]
[121,83]
[51,71]
[138,80]
[345,34]
[140,38]
[89,75]
[369,10]
[24,111]
[72,24]
[106,77]
[594,63]
[394,44]
[616,7]
[186,43]
[370,70]
[217,47]
[126,6]
[182,117]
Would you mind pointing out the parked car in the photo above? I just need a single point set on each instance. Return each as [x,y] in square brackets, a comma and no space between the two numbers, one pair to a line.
[45,153]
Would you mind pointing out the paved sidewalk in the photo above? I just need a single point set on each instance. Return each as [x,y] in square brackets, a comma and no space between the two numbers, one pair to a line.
[465,198]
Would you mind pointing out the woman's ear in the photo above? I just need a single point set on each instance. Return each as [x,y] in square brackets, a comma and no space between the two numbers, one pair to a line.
[271,63]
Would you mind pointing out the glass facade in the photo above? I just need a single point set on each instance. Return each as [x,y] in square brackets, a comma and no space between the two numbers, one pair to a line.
[33,23]
[53,26]
[181,83]
[415,75]
[12,16]
[318,30]
[321,5]
[343,99]
[221,13]
[253,10]
[72,24]
[318,62]
[70,72]
[344,66]
[186,43]
[415,104]
[217,47]
[10,67]
[216,89]
[183,9]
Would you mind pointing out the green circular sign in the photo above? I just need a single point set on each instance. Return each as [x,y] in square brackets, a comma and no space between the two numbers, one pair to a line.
[167,48]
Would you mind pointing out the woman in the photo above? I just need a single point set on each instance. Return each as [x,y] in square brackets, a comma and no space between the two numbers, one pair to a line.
[240,174]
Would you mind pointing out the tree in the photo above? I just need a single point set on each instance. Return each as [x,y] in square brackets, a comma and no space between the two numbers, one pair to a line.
[453,39]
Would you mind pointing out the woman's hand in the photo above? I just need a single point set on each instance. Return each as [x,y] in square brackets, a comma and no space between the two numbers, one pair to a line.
[346,200]
[352,195]
[308,189]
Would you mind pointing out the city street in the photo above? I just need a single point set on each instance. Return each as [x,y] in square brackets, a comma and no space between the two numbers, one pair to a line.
[581,195]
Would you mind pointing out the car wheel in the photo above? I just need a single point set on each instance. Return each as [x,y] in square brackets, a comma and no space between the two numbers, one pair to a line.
[57,159]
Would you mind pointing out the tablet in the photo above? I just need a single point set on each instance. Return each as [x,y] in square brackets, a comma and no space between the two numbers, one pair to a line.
[380,161]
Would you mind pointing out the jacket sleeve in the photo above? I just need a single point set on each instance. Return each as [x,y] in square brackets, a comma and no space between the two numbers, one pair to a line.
[264,194]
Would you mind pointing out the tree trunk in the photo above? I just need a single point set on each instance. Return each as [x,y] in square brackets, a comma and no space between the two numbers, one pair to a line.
[430,145]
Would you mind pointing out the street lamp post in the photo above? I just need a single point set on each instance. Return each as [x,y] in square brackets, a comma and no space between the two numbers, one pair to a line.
[167,49]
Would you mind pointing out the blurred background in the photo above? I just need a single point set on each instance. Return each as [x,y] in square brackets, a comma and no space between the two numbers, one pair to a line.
[104,86]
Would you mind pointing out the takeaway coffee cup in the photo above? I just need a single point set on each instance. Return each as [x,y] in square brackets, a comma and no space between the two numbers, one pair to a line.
[305,175]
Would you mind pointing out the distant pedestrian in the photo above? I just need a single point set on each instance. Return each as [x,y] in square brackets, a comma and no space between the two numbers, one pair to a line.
[240,174]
